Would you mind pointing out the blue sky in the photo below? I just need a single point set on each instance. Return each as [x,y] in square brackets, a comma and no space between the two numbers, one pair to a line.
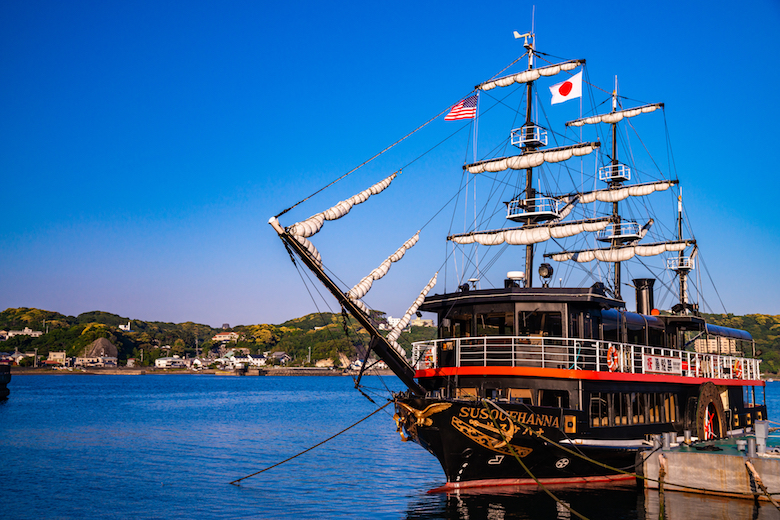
[144,145]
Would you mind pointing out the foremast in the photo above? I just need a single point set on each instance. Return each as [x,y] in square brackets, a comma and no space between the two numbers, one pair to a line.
[379,344]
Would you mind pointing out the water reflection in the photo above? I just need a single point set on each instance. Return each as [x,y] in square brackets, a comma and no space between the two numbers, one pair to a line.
[621,503]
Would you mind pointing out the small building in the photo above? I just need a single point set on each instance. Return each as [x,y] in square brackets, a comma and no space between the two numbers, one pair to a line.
[170,362]
[96,362]
[57,359]
[419,322]
[281,357]
[27,331]
[225,337]
[125,328]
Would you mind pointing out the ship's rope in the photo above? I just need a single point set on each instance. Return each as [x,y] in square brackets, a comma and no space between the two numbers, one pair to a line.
[527,470]
[581,455]
[235,482]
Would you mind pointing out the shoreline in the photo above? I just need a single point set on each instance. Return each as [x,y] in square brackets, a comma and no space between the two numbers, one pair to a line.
[289,371]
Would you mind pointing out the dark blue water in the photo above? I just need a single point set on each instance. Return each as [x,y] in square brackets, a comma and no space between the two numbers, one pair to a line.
[168,446]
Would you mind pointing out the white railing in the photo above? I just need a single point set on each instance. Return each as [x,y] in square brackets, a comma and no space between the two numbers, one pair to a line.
[676,263]
[626,230]
[615,172]
[533,134]
[531,207]
[578,354]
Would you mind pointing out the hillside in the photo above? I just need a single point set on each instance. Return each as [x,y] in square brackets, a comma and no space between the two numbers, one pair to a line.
[325,333]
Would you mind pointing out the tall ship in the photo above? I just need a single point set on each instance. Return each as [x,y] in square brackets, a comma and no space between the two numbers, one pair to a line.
[531,379]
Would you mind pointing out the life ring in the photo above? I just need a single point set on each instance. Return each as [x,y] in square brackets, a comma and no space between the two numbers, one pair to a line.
[612,359]
[428,359]
[710,416]
[736,370]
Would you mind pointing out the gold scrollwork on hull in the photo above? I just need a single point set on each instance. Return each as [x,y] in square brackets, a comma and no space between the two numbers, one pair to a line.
[488,441]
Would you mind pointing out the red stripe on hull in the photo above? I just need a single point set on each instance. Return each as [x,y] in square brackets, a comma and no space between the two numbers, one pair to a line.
[560,373]
[450,487]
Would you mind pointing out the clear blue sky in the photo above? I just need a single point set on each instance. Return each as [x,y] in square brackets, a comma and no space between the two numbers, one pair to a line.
[144,145]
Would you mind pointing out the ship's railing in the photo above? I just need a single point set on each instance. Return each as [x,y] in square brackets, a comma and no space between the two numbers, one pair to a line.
[578,354]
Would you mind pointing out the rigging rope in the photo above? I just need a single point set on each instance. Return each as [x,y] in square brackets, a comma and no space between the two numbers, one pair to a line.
[235,482]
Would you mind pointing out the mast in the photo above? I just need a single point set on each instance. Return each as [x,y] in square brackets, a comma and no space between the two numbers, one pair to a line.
[615,181]
[529,145]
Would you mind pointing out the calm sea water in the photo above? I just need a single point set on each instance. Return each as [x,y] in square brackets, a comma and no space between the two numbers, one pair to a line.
[168,446]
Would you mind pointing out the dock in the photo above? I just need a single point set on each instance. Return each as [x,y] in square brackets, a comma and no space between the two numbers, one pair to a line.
[744,466]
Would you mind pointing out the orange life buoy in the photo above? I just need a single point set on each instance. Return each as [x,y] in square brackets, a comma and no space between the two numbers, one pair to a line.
[736,369]
[612,358]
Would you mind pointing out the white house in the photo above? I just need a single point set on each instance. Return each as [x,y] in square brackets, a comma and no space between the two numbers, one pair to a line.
[225,337]
[170,362]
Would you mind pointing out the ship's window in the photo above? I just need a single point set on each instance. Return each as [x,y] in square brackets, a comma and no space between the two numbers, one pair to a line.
[554,398]
[495,324]
[456,326]
[598,409]
[638,408]
[534,323]
[610,320]
[635,329]
[670,406]
[521,395]
[466,393]
[620,409]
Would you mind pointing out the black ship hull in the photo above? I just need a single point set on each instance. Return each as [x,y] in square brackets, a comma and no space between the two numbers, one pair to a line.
[477,445]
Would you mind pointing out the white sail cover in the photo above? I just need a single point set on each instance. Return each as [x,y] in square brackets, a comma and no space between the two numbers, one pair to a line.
[314,223]
[393,335]
[621,254]
[530,234]
[312,250]
[362,288]
[533,159]
[614,117]
[616,195]
[530,75]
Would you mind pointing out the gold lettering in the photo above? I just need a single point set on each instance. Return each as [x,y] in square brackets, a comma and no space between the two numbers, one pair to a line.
[521,417]
[555,423]
[464,412]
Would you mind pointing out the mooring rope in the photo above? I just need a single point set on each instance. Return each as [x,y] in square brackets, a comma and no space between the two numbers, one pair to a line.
[235,482]
[585,457]
[518,459]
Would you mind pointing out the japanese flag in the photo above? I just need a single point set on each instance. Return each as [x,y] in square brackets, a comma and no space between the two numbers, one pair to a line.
[569,89]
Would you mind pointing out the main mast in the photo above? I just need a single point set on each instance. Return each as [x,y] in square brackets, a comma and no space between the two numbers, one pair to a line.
[613,182]
[529,145]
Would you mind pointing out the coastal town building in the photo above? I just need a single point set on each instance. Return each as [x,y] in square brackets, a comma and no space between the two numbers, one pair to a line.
[225,337]
[57,359]
[419,322]
[27,331]
[170,362]
[125,328]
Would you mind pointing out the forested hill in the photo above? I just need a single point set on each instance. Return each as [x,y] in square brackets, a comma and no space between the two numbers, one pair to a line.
[325,333]
[765,330]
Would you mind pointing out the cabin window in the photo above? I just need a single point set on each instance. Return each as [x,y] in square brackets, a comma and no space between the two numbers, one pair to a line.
[622,409]
[635,329]
[494,320]
[456,326]
[495,324]
[535,323]
[520,395]
[554,398]
[611,324]
[599,411]
[466,393]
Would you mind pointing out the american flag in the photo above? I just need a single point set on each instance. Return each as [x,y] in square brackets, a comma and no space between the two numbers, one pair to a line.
[466,109]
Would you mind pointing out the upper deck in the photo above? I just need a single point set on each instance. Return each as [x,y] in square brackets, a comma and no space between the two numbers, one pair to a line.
[577,359]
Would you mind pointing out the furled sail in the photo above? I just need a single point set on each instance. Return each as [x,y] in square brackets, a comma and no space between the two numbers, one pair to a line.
[531,234]
[315,255]
[623,192]
[362,288]
[313,224]
[620,254]
[614,117]
[532,159]
[393,335]
[529,75]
